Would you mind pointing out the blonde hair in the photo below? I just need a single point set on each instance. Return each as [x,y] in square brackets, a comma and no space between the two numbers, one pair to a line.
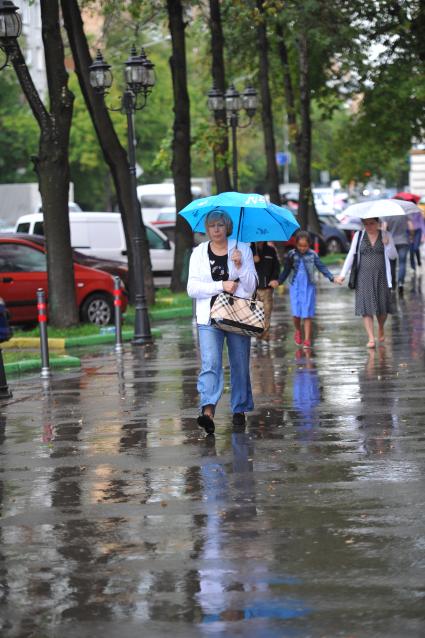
[218,215]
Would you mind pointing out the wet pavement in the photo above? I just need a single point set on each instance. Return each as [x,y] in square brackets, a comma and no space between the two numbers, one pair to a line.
[120,518]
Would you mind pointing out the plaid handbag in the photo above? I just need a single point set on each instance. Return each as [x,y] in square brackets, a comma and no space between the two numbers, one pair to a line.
[236,314]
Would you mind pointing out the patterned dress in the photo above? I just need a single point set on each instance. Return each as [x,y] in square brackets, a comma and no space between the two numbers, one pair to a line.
[373,296]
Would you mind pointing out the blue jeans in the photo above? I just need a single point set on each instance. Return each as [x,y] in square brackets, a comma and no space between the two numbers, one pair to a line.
[211,377]
[402,250]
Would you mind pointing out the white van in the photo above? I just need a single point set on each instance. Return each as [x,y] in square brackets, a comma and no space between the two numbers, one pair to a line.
[102,235]
[158,201]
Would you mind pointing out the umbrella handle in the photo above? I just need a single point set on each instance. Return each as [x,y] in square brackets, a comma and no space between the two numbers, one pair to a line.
[240,224]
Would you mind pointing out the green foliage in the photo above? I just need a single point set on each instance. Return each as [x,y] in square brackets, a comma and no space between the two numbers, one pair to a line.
[19,132]
[89,172]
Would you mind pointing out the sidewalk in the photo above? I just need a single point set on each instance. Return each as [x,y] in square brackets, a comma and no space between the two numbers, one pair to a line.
[119,518]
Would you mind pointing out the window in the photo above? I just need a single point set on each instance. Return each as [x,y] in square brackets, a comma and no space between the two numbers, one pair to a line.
[155,241]
[39,228]
[23,228]
[20,258]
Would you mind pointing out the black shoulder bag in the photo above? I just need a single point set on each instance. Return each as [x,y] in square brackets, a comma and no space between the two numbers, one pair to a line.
[355,266]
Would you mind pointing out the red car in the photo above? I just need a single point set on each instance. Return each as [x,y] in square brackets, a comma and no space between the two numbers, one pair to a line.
[23,269]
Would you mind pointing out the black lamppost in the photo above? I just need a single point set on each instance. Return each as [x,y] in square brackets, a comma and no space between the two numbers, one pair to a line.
[227,107]
[140,79]
[10,26]
[10,30]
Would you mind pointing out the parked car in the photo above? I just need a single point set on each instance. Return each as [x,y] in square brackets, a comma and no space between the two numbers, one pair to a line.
[169,229]
[99,234]
[335,238]
[23,269]
[111,266]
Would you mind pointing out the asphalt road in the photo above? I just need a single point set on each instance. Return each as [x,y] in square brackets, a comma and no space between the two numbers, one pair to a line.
[119,518]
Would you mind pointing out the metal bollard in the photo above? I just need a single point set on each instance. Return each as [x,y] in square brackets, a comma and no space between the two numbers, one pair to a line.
[44,344]
[118,316]
[5,393]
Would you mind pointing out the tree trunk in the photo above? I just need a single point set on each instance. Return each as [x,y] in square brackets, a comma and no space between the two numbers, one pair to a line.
[52,165]
[300,137]
[221,146]
[272,178]
[113,152]
[306,209]
[181,144]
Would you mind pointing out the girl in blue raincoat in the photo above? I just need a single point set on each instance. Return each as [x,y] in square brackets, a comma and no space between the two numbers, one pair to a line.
[299,268]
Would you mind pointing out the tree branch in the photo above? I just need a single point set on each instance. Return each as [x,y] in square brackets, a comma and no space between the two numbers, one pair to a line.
[38,109]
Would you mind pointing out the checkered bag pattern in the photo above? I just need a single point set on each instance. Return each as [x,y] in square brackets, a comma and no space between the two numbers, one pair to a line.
[239,315]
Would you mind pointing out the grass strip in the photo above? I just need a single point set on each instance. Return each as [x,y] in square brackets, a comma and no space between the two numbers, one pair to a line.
[89,340]
[333,259]
[28,365]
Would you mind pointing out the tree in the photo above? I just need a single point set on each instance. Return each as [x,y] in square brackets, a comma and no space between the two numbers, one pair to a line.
[113,152]
[221,142]
[51,163]
[181,143]
[272,178]
[389,113]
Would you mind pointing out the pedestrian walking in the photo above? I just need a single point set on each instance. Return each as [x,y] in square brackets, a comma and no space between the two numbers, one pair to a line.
[416,233]
[399,226]
[219,265]
[267,266]
[374,248]
[299,268]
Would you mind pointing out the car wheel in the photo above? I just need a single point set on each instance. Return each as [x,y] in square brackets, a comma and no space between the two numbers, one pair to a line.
[334,245]
[97,309]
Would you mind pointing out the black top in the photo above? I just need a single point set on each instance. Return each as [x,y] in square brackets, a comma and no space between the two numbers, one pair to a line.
[218,265]
[268,267]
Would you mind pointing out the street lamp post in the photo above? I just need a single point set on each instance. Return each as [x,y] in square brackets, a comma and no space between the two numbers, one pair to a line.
[229,105]
[140,79]
[10,30]
[10,26]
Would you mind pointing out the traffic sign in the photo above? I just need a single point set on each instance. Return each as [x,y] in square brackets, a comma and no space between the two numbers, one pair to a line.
[282,158]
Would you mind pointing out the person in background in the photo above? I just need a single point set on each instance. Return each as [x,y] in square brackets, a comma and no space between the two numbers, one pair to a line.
[219,265]
[268,267]
[373,285]
[416,233]
[299,267]
[399,226]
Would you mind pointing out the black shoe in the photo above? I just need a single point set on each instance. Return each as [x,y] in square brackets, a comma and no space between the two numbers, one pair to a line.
[400,291]
[238,418]
[206,422]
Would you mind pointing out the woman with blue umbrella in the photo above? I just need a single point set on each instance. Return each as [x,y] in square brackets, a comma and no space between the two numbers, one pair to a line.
[219,265]
[225,263]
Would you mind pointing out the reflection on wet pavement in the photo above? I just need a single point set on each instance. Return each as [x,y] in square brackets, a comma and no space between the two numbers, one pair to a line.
[120,518]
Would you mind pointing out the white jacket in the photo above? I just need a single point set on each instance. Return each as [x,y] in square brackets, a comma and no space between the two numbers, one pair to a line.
[390,252]
[202,287]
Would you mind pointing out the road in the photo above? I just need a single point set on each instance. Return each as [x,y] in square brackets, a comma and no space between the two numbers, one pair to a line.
[119,518]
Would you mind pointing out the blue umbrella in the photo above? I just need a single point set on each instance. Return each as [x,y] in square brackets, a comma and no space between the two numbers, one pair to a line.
[254,218]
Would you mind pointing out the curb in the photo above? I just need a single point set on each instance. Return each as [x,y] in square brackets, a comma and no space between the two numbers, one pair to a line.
[56,343]
[27,365]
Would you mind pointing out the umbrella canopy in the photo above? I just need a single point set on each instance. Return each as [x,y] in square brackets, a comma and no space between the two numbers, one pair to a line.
[254,218]
[380,208]
[408,197]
